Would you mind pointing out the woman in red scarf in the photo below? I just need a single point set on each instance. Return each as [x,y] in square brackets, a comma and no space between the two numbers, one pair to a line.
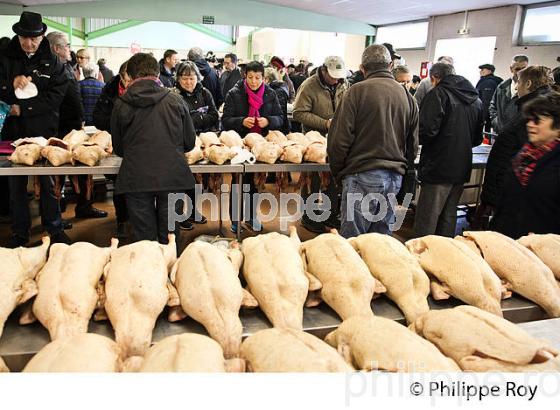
[531,200]
[251,106]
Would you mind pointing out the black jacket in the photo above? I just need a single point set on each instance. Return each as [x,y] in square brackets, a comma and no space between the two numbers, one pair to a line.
[107,73]
[355,78]
[105,103]
[486,88]
[450,126]
[297,80]
[502,107]
[211,81]
[229,79]
[167,78]
[509,142]
[201,108]
[71,108]
[283,93]
[40,114]
[236,110]
[151,129]
[534,208]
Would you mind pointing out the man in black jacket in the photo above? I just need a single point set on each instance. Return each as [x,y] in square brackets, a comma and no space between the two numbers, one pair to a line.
[28,58]
[151,130]
[231,75]
[211,81]
[451,121]
[167,68]
[486,88]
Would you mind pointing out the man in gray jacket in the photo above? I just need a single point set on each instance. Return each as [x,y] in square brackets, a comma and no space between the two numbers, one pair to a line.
[372,141]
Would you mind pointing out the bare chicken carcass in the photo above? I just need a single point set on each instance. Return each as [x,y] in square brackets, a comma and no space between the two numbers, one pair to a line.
[17,276]
[277,137]
[480,341]
[26,154]
[57,156]
[218,154]
[315,136]
[189,352]
[520,269]
[253,139]
[208,139]
[88,154]
[207,281]
[68,287]
[375,343]
[316,152]
[298,138]
[103,140]
[292,152]
[85,353]
[3,367]
[347,284]
[458,271]
[231,139]
[267,152]
[275,276]
[75,138]
[136,291]
[195,155]
[391,264]
[547,248]
[290,350]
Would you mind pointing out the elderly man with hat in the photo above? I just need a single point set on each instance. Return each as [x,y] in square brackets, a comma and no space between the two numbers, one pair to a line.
[29,59]
[486,88]
[316,102]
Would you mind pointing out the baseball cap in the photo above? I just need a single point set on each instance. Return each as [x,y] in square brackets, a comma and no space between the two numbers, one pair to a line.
[392,51]
[335,66]
[487,67]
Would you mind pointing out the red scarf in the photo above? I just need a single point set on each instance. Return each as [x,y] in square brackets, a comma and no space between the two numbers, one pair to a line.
[255,99]
[526,160]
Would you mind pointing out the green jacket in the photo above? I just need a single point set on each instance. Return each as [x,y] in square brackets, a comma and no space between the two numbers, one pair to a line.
[314,107]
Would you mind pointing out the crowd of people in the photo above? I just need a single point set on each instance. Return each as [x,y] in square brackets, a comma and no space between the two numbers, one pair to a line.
[375,120]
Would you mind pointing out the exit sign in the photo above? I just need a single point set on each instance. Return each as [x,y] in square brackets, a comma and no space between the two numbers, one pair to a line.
[207,19]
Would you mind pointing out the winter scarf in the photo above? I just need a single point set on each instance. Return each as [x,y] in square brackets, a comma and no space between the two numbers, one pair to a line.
[525,162]
[255,99]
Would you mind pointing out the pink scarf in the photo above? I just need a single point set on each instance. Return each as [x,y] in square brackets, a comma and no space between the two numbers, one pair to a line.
[255,99]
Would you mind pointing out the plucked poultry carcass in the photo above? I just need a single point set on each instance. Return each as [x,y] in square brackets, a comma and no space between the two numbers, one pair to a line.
[253,139]
[68,287]
[315,136]
[136,291]
[86,352]
[275,276]
[375,343]
[57,152]
[547,248]
[290,350]
[347,284]
[103,140]
[75,138]
[218,153]
[316,152]
[195,155]
[391,264]
[298,138]
[209,138]
[189,352]
[458,271]
[88,154]
[17,273]
[292,152]
[3,367]
[480,341]
[207,280]
[267,152]
[231,139]
[277,137]
[26,154]
[520,269]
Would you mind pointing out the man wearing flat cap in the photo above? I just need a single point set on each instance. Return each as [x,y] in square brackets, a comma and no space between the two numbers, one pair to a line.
[28,59]
[486,88]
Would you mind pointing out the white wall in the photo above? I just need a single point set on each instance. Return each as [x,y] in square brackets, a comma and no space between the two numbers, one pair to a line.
[500,22]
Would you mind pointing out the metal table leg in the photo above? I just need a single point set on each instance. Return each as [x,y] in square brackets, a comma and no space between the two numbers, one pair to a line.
[239,204]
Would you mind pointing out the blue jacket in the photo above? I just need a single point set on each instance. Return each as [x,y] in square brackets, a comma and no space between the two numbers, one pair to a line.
[91,89]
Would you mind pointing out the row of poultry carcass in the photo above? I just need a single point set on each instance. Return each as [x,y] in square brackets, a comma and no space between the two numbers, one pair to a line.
[76,146]
[282,275]
[293,148]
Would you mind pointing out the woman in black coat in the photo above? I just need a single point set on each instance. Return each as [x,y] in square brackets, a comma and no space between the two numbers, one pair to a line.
[251,106]
[531,199]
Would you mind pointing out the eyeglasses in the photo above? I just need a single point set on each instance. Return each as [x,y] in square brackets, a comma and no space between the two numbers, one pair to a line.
[82,57]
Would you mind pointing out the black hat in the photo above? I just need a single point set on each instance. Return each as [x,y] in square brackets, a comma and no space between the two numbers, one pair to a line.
[487,67]
[30,25]
[392,51]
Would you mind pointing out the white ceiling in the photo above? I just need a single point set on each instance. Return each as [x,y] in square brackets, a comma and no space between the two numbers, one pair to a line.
[41,2]
[390,11]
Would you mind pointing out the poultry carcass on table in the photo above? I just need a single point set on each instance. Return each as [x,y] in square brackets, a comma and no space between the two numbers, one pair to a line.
[267,152]
[209,138]
[75,138]
[88,153]
[292,152]
[375,343]
[458,271]
[316,152]
[547,248]
[26,154]
[196,154]
[520,269]
[3,367]
[298,138]
[189,352]
[86,352]
[391,264]
[67,287]
[315,136]
[253,139]
[347,284]
[207,281]
[480,341]
[231,139]
[57,152]
[136,291]
[290,350]
[277,137]
[103,140]
[275,276]
[218,153]
[17,273]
